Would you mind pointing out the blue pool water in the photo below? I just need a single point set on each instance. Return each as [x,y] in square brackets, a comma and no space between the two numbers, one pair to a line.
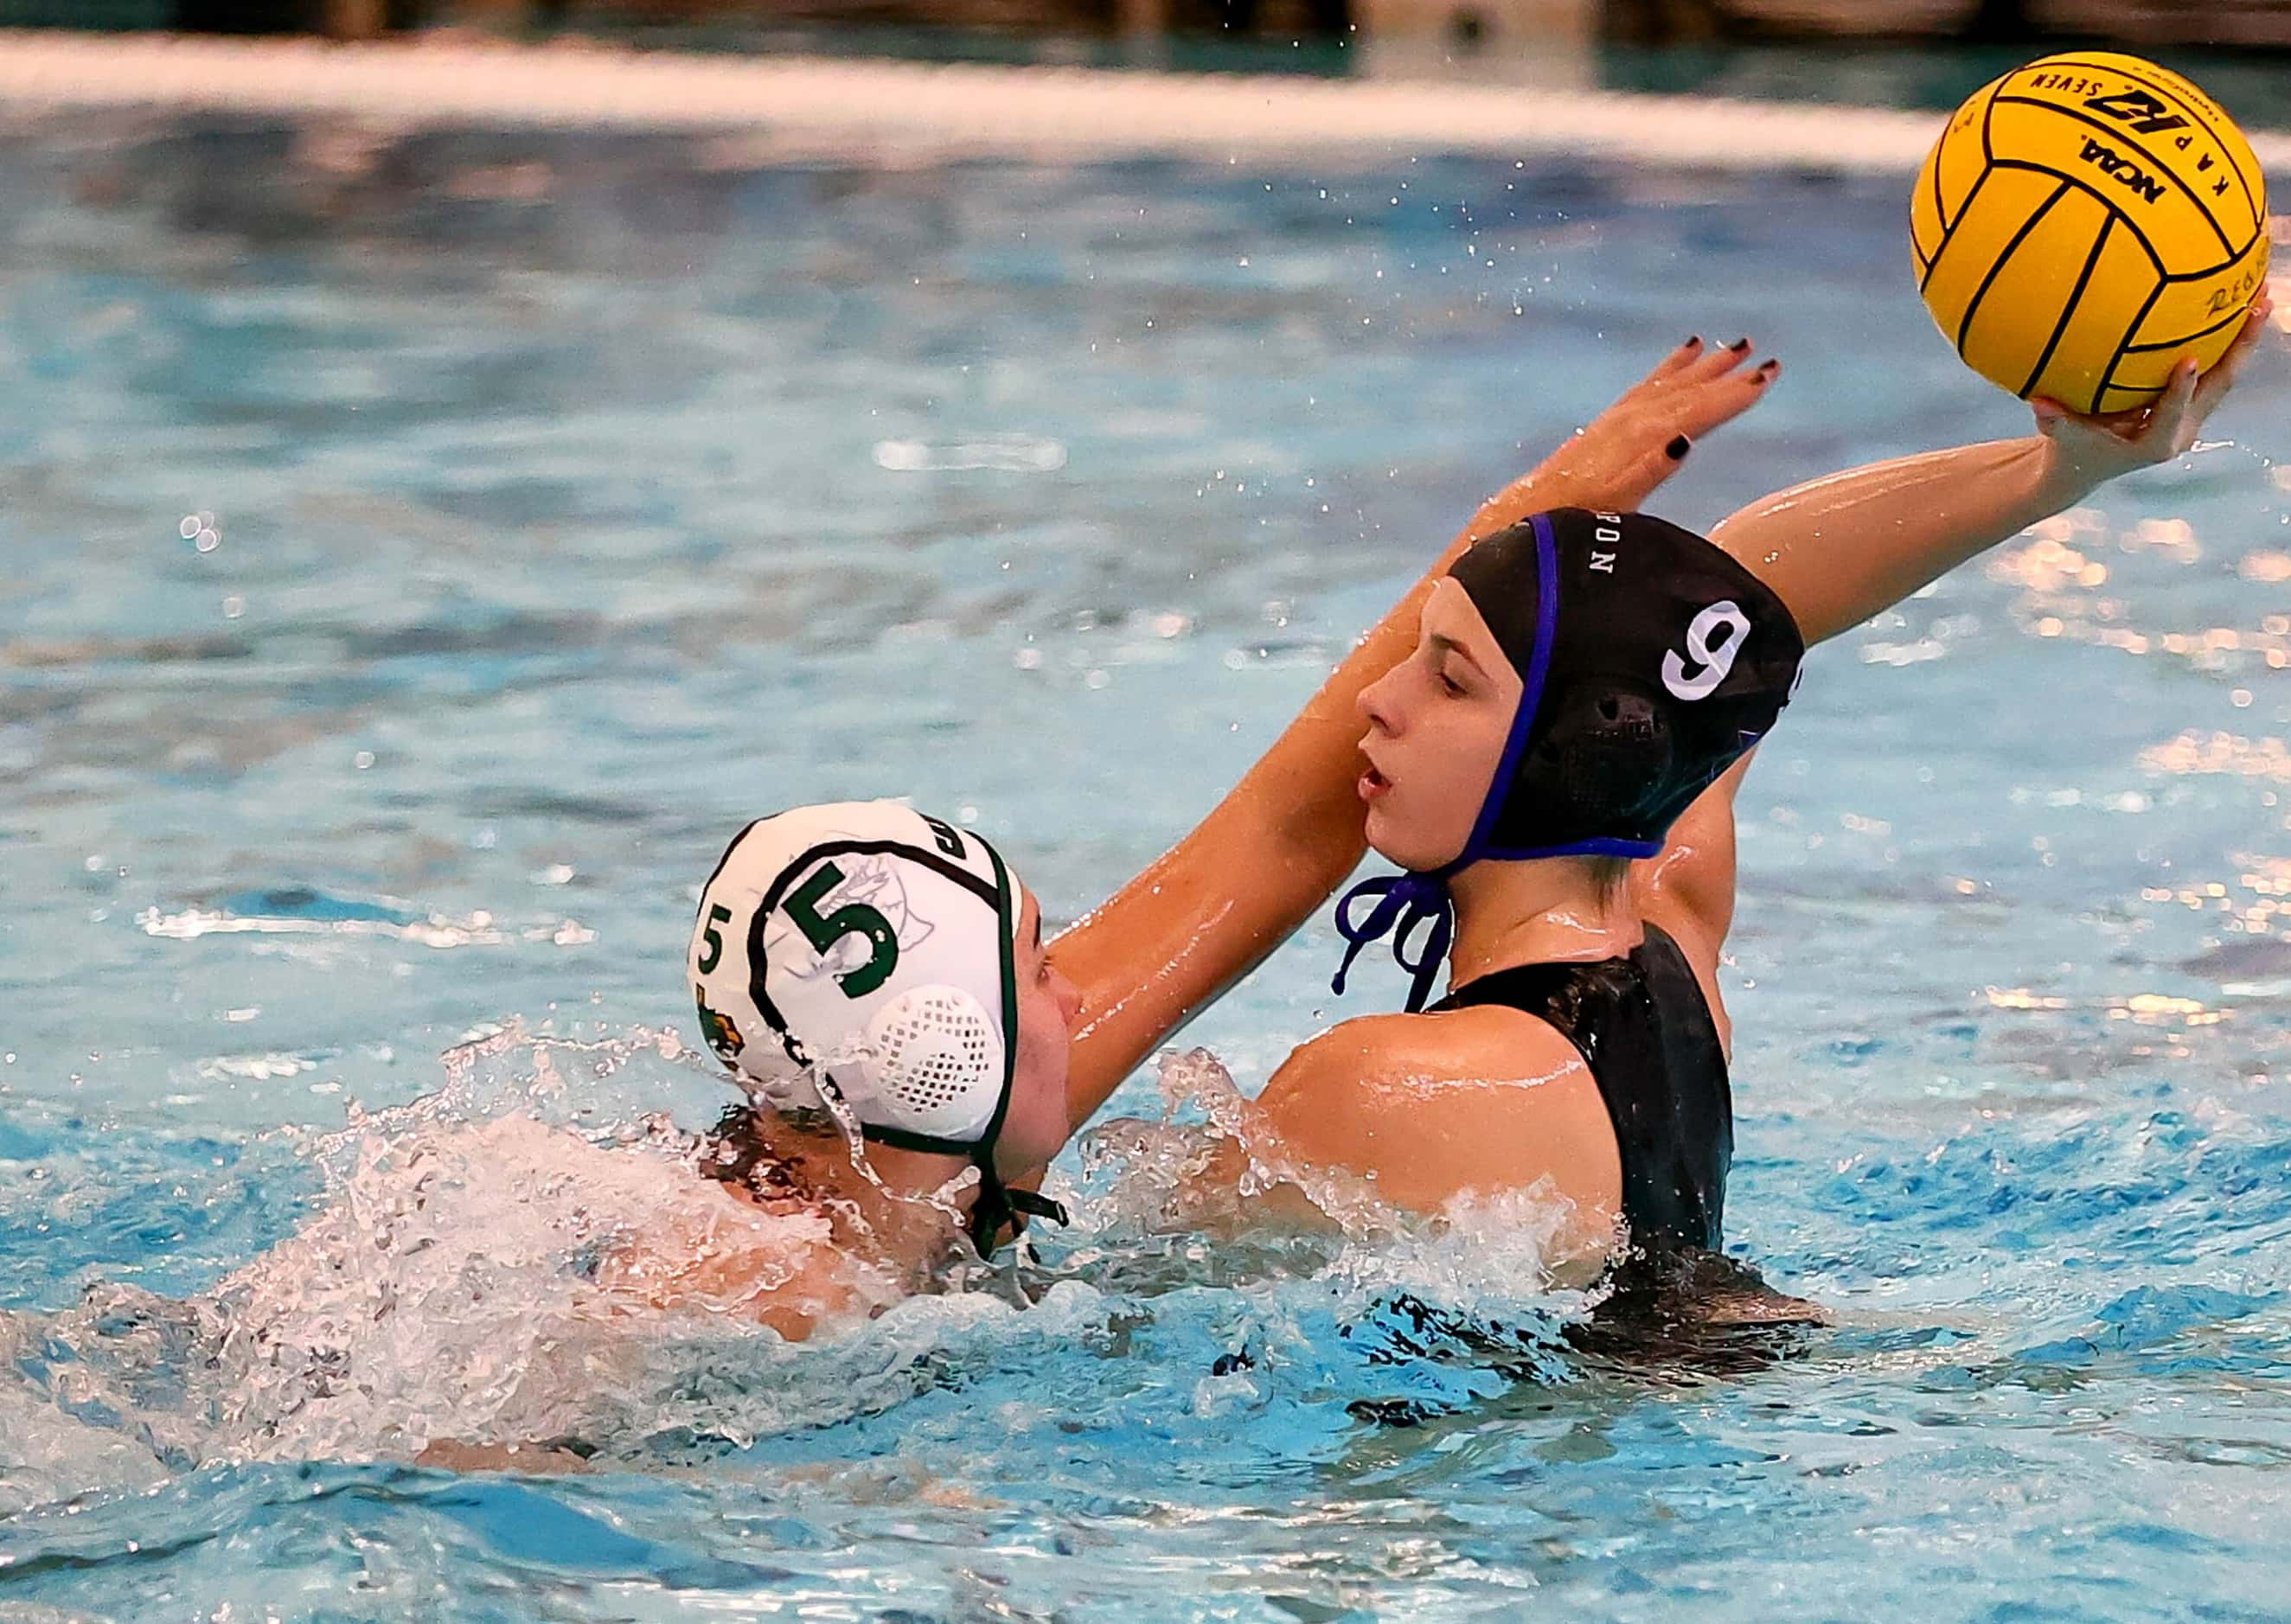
[556,504]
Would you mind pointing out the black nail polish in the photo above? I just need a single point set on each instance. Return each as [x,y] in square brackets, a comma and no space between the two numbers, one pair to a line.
[1740,345]
[1693,341]
[1768,370]
[1677,449]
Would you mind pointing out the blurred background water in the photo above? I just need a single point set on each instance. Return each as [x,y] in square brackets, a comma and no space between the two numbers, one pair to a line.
[421,552]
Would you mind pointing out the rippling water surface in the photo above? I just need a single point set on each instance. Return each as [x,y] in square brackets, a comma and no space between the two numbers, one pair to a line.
[418,553]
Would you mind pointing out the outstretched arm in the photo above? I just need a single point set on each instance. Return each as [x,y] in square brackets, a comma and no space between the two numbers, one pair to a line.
[1841,549]
[1209,910]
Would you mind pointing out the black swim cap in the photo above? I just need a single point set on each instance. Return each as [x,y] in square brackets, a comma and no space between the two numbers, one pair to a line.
[1649,661]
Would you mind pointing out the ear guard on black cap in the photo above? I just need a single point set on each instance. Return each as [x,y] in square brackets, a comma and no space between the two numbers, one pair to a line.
[1605,755]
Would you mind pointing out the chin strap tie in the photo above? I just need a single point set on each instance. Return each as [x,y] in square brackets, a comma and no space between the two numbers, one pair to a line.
[1404,903]
[997,1205]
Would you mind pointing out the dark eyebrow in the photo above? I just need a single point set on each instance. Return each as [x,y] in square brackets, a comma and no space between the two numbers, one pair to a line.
[1444,645]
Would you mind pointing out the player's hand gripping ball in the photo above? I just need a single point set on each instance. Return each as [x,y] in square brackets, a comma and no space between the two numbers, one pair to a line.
[2083,224]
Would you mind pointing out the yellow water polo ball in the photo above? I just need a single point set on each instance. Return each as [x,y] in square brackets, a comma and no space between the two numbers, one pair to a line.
[2084,223]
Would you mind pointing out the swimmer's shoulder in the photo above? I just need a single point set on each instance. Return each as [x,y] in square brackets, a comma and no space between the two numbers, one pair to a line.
[1486,1099]
[1374,1052]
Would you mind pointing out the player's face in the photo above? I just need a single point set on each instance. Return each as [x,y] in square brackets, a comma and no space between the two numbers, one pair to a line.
[1050,1008]
[1437,724]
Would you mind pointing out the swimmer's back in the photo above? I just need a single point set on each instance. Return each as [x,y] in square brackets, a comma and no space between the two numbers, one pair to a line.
[1645,1031]
[1471,1102]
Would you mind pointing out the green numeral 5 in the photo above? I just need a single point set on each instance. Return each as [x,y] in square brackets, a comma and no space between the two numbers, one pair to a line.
[854,919]
[712,954]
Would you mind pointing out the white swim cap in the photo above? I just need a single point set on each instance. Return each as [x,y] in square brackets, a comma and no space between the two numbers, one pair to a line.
[864,949]
[869,947]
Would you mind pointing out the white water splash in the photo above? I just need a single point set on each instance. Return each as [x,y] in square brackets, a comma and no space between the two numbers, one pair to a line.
[464,1280]
[451,1290]
[476,1272]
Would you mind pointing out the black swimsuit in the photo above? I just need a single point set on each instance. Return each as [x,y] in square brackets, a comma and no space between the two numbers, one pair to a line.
[1645,1030]
[1675,1304]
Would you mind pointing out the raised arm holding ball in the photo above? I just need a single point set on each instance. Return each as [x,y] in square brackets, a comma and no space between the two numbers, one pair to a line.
[1535,766]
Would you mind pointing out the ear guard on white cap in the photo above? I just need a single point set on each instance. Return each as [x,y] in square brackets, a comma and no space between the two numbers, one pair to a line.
[929,1049]
[866,949]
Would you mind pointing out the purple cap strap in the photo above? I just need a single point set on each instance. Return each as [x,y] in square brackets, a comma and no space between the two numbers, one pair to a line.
[1404,903]
[1407,901]
[1530,695]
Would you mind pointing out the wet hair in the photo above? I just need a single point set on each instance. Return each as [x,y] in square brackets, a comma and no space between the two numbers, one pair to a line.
[747,1147]
[1612,875]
